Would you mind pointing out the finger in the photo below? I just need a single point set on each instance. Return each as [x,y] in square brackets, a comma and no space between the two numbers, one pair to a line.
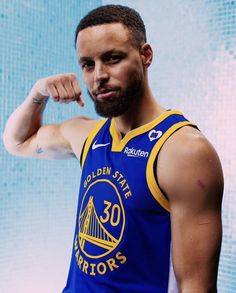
[77,91]
[70,90]
[53,92]
[63,95]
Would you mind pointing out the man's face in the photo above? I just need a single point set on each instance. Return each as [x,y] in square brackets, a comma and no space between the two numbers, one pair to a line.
[112,68]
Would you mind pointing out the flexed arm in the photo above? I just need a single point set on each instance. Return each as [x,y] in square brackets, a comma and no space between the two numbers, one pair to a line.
[24,134]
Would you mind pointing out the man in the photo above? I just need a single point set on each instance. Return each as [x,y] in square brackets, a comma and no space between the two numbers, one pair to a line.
[149,211]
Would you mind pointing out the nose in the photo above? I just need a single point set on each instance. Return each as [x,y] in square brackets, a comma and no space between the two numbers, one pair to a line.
[100,73]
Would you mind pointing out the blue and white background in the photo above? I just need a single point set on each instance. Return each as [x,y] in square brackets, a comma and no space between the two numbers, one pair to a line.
[194,70]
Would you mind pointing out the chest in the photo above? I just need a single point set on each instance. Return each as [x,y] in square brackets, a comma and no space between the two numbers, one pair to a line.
[119,176]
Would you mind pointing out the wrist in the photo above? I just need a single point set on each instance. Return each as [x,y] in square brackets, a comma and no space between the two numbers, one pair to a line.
[36,97]
[39,100]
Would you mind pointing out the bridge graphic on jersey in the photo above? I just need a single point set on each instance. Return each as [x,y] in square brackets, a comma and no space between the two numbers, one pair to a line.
[92,230]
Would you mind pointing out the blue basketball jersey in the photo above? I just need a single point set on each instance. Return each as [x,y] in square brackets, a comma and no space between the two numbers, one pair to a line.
[122,238]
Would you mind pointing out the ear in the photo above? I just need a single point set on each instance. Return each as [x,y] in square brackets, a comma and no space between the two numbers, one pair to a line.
[146,54]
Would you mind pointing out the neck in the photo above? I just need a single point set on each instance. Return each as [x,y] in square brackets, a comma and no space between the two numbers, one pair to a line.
[142,113]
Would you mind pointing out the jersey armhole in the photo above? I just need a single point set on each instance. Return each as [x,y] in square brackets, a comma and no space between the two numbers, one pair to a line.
[151,176]
[82,152]
[90,139]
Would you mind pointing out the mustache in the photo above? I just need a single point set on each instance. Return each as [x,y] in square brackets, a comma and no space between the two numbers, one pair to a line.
[102,90]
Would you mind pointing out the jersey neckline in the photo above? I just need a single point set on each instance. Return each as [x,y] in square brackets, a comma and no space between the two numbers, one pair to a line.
[119,143]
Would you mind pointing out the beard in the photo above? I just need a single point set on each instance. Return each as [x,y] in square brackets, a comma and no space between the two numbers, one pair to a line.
[125,100]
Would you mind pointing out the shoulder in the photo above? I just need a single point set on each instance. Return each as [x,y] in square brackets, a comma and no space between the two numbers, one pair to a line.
[81,125]
[76,130]
[79,121]
[188,165]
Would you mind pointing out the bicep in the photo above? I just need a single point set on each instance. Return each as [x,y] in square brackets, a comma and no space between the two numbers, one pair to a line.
[47,143]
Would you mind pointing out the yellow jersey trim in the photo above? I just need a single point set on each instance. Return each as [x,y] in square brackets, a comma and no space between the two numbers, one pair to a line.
[90,138]
[150,177]
[118,144]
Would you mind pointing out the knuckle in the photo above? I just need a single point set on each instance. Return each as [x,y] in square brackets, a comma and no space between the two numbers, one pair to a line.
[55,96]
[49,83]
[71,97]
[72,77]
[63,79]
[77,94]
[65,97]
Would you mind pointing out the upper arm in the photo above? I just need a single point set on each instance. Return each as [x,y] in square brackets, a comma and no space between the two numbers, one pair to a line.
[191,176]
[57,141]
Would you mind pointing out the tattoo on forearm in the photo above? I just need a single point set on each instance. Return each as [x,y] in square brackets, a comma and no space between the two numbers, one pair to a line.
[36,101]
[40,102]
[39,150]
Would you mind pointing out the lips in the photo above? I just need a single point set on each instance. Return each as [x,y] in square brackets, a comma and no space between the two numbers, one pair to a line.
[105,94]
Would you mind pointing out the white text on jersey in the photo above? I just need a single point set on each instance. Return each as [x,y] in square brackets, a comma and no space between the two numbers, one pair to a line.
[132,152]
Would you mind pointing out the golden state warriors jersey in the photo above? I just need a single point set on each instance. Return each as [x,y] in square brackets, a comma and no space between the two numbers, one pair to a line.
[122,238]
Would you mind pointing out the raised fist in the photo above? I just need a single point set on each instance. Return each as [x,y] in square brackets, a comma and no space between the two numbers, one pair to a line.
[63,88]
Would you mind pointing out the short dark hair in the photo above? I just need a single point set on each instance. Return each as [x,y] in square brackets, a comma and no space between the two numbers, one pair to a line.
[115,14]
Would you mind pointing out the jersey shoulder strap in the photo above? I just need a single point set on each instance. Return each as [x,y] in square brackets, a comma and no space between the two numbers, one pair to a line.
[90,139]
[176,121]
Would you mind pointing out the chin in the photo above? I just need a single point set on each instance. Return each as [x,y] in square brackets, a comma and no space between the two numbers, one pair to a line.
[110,109]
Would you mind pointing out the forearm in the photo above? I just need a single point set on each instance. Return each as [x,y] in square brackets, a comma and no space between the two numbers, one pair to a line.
[25,120]
[197,288]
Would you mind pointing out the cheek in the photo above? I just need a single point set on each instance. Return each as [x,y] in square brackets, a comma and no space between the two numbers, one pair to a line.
[128,71]
[88,79]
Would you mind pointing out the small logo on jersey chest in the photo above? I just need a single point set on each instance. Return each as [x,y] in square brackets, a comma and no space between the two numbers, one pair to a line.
[137,153]
[154,134]
[99,145]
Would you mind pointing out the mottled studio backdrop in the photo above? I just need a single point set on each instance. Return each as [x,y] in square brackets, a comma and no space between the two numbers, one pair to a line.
[194,70]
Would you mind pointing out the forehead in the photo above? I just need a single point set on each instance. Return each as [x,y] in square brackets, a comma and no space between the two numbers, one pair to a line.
[97,39]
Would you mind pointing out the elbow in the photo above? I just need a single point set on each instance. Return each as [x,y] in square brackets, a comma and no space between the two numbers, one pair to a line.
[6,142]
[10,147]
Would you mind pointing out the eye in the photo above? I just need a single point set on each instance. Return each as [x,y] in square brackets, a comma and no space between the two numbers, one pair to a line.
[114,58]
[87,65]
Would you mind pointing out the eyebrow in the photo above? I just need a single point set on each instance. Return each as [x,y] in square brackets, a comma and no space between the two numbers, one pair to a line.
[107,53]
[83,59]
